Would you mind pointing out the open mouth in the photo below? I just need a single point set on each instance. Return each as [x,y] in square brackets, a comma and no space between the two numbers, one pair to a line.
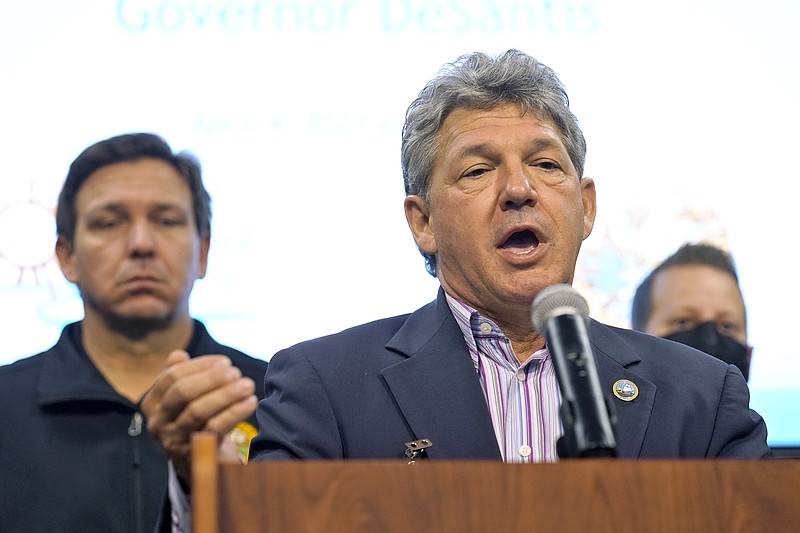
[521,240]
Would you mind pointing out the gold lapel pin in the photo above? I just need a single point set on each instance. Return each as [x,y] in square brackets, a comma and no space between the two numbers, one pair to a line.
[626,390]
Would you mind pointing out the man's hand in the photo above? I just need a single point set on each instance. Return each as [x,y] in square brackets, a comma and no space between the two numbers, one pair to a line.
[205,393]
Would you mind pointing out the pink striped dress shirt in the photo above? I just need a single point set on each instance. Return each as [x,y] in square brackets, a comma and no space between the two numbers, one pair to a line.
[523,399]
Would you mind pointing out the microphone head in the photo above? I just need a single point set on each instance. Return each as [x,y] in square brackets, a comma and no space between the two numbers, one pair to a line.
[558,299]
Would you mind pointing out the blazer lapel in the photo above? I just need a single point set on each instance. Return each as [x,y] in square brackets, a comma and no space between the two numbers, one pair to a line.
[614,358]
[439,393]
[436,387]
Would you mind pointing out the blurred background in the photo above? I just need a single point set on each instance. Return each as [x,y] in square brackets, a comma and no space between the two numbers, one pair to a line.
[294,108]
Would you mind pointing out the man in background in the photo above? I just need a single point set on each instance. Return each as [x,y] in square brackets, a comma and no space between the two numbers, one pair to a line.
[133,225]
[693,297]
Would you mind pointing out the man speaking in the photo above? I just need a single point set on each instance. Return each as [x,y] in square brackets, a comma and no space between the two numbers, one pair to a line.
[497,204]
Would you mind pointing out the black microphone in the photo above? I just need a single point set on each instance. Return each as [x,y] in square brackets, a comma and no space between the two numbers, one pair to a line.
[561,314]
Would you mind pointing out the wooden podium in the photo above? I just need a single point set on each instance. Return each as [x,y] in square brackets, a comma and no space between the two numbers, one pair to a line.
[578,495]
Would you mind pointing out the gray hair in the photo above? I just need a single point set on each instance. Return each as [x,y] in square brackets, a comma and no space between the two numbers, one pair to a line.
[478,81]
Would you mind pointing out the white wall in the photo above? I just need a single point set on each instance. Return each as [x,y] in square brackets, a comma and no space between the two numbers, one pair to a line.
[294,108]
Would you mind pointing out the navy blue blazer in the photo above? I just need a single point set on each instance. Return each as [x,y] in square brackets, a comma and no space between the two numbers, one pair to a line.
[363,393]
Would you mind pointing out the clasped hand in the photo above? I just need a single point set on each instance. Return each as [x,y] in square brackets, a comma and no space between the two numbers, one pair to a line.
[205,393]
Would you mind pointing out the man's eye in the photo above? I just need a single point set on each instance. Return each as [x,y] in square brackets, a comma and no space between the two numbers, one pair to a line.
[171,221]
[727,327]
[475,172]
[106,223]
[683,324]
[546,165]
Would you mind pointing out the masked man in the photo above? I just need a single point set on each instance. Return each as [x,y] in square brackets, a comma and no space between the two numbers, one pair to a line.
[693,297]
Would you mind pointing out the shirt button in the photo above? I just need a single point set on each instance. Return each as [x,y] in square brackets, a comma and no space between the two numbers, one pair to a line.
[485,328]
[521,375]
[525,450]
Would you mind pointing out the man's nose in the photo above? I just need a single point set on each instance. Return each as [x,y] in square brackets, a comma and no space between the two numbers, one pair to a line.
[141,239]
[517,188]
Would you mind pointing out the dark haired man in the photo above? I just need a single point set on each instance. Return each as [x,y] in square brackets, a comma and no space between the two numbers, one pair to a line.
[133,224]
[693,297]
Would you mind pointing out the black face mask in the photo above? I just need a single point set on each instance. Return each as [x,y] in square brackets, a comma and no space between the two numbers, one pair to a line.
[706,338]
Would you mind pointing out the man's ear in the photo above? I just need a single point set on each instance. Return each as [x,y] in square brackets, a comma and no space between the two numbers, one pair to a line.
[205,244]
[589,198]
[418,216]
[66,259]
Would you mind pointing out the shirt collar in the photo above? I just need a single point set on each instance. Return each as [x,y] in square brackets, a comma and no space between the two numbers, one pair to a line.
[474,326]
